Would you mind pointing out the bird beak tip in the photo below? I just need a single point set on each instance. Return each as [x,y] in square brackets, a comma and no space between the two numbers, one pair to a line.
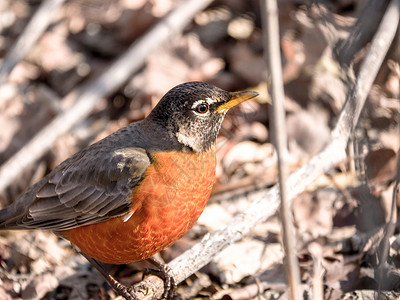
[236,98]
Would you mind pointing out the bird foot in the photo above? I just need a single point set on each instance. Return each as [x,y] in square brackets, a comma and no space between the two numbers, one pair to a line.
[165,273]
[127,292]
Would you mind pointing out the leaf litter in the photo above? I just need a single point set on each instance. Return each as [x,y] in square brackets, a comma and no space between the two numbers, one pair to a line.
[339,220]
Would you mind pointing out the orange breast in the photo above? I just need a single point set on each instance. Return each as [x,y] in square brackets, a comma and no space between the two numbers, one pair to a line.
[165,205]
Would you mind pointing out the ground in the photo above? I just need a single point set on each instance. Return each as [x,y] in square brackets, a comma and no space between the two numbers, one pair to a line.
[339,219]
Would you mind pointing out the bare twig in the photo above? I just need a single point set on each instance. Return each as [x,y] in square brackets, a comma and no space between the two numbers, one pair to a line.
[368,71]
[390,226]
[370,295]
[318,272]
[266,202]
[33,31]
[362,32]
[103,85]
[271,43]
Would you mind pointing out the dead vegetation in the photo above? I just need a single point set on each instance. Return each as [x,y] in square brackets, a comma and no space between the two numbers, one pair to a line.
[347,237]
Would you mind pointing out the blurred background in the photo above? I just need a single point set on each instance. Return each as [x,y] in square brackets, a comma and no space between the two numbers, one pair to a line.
[221,45]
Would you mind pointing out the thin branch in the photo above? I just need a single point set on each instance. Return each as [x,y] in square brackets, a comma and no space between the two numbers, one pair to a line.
[266,202]
[33,31]
[362,33]
[271,43]
[368,70]
[390,226]
[88,95]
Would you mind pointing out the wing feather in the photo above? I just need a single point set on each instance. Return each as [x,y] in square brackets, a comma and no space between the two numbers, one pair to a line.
[81,192]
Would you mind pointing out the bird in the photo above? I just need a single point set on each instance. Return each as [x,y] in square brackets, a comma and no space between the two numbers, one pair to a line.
[130,195]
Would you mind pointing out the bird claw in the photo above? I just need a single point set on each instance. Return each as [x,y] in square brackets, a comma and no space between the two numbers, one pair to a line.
[165,273]
[127,292]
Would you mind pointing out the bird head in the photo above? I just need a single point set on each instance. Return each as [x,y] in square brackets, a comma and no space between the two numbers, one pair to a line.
[192,113]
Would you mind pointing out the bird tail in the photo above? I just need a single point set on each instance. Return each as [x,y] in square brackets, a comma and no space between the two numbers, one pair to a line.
[10,216]
[4,216]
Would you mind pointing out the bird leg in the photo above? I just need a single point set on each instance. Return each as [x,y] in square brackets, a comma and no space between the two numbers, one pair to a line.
[165,273]
[121,289]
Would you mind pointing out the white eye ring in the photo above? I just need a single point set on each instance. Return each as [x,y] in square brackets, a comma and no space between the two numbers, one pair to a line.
[202,108]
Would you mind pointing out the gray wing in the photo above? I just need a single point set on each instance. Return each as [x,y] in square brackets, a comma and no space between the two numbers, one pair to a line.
[88,188]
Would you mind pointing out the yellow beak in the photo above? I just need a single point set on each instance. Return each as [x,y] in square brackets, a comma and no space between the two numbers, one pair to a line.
[236,98]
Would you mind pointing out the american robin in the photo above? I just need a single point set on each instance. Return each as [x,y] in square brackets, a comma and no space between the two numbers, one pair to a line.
[137,191]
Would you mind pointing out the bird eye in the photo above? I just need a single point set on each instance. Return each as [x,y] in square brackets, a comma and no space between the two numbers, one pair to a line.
[202,108]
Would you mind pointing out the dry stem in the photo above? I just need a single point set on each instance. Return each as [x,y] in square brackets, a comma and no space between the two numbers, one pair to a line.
[271,41]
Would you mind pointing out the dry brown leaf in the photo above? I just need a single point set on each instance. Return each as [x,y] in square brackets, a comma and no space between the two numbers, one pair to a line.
[39,286]
[245,258]
[246,64]
[381,165]
[314,213]
[308,129]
